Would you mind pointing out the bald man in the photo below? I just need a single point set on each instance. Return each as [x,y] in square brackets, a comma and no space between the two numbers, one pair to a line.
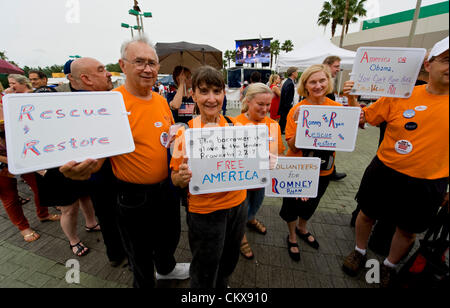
[89,74]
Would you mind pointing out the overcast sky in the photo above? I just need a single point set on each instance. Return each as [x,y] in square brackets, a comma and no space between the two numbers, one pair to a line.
[47,32]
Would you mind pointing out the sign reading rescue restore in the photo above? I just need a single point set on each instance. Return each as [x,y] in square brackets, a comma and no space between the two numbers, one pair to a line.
[46,130]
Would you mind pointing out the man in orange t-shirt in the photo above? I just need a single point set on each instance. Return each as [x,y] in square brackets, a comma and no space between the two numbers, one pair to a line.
[407,180]
[148,211]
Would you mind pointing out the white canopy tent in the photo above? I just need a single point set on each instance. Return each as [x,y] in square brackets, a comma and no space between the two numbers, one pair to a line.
[314,53]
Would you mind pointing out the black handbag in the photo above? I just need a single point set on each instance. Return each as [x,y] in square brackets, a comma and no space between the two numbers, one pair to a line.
[428,266]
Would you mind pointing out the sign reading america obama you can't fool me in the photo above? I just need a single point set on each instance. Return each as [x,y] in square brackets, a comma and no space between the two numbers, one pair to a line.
[331,128]
[227,158]
[46,130]
[389,72]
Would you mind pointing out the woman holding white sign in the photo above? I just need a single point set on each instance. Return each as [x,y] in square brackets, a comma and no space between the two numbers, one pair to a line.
[315,83]
[257,104]
[216,221]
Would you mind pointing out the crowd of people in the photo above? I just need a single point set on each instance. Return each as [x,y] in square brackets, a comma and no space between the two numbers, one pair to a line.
[136,197]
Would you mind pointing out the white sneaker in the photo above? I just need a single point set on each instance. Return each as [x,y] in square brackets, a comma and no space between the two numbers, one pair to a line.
[180,272]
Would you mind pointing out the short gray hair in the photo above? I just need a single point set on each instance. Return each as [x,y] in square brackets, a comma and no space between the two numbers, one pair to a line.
[141,39]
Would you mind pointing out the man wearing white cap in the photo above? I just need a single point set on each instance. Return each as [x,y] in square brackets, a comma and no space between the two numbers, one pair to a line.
[407,180]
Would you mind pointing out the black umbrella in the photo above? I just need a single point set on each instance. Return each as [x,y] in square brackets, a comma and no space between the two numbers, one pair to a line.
[187,54]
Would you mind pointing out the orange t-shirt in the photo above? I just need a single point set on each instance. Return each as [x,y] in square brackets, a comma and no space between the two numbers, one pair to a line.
[274,132]
[421,151]
[150,122]
[291,129]
[206,203]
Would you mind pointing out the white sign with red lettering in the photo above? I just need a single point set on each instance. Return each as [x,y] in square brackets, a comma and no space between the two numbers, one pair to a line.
[330,128]
[382,71]
[227,158]
[46,130]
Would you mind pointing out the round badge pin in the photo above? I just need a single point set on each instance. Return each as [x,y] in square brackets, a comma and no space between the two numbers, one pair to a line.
[411,125]
[158,124]
[410,113]
[403,147]
[421,108]
[164,138]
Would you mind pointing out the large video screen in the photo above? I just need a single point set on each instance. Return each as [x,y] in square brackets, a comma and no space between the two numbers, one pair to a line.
[253,51]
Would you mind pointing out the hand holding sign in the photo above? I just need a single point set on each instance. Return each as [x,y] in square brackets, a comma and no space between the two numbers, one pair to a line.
[81,171]
[184,174]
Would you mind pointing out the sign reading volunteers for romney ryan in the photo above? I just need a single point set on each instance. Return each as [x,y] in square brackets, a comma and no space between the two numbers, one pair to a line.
[46,130]
[294,177]
[227,158]
[330,128]
[389,72]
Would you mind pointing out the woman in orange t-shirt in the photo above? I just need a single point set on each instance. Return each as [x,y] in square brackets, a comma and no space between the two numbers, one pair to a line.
[216,221]
[315,83]
[257,103]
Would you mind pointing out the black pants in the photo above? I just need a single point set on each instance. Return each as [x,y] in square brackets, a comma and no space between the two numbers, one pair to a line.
[149,223]
[215,239]
[283,120]
[292,208]
[104,198]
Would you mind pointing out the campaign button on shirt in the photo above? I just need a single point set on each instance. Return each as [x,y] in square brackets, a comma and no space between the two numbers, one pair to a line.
[403,147]
[411,125]
[164,138]
[410,113]
[421,108]
[158,124]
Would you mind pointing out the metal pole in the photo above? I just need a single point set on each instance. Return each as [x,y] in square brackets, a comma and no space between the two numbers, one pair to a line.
[414,23]
[132,36]
[142,24]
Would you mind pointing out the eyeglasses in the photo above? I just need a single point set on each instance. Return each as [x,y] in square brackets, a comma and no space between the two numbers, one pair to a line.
[141,64]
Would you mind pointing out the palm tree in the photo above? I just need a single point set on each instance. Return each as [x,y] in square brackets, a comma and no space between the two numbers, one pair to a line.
[287,46]
[274,50]
[333,11]
[228,56]
[356,9]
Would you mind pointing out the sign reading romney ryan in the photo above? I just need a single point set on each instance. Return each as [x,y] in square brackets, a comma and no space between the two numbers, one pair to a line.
[46,130]
[227,158]
[389,72]
[294,177]
[331,128]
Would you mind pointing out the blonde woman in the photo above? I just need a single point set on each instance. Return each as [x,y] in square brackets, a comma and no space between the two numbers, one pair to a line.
[257,103]
[315,83]
[19,83]
[274,84]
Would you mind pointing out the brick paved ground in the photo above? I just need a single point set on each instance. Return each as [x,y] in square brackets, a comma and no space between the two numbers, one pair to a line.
[42,263]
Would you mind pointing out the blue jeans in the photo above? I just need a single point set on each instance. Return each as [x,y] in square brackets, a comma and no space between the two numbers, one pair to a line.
[215,239]
[255,199]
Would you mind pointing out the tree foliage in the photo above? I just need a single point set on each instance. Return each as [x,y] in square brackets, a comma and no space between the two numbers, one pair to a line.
[287,46]
[333,12]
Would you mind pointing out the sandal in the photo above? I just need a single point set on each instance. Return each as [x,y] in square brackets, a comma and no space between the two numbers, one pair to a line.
[31,237]
[23,201]
[92,229]
[258,227]
[245,250]
[51,217]
[81,249]
[294,255]
[314,244]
